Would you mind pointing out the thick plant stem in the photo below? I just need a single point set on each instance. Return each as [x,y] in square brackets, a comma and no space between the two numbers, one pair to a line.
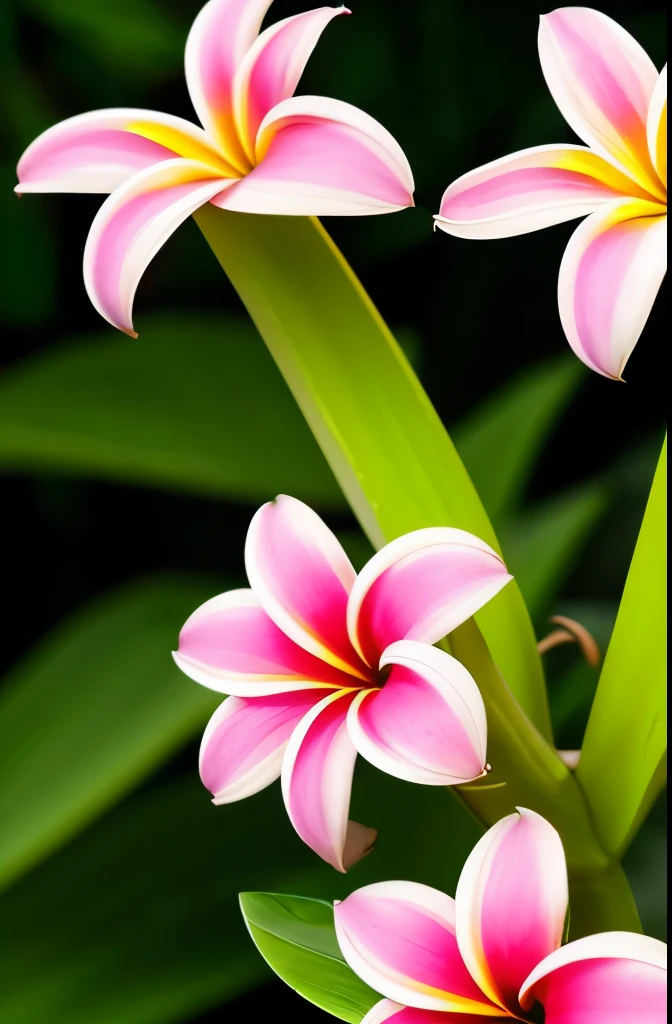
[369,413]
[400,472]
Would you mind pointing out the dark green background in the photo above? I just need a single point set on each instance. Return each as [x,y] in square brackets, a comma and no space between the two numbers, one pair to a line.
[458,83]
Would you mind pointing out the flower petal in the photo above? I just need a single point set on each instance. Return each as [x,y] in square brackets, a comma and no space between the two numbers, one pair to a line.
[387,1009]
[132,225]
[530,190]
[244,742]
[316,783]
[612,978]
[656,127]
[302,577]
[609,278]
[231,645]
[98,151]
[420,587]
[271,69]
[320,156]
[220,36]
[511,903]
[602,81]
[399,937]
[427,724]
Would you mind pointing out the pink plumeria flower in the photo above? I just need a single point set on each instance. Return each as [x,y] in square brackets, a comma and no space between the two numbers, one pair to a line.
[610,93]
[495,950]
[322,664]
[261,149]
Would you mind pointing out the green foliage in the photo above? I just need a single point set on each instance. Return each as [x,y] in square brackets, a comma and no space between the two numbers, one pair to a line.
[622,766]
[91,712]
[194,405]
[500,441]
[296,937]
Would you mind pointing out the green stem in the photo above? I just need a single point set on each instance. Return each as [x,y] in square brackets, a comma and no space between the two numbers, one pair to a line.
[400,472]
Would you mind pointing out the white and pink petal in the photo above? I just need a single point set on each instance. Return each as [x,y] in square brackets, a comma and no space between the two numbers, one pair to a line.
[427,724]
[420,587]
[656,127]
[98,151]
[132,225]
[531,190]
[511,904]
[321,157]
[609,278]
[301,576]
[272,67]
[602,81]
[316,782]
[244,742]
[231,645]
[399,937]
[609,978]
[222,33]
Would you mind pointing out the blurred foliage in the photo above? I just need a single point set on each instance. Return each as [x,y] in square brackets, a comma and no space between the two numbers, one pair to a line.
[123,460]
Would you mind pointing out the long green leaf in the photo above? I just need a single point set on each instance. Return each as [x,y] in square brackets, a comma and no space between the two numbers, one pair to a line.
[137,920]
[501,439]
[87,715]
[542,544]
[297,939]
[378,430]
[197,405]
[622,767]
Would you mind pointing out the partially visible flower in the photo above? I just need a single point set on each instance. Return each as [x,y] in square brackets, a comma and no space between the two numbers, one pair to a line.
[496,951]
[610,93]
[322,664]
[261,149]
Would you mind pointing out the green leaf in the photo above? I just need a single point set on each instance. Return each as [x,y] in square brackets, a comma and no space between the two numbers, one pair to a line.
[543,543]
[138,920]
[90,712]
[622,767]
[376,426]
[501,439]
[297,939]
[27,236]
[195,405]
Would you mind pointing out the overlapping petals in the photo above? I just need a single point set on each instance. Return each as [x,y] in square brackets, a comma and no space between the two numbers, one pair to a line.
[612,96]
[323,664]
[495,952]
[260,150]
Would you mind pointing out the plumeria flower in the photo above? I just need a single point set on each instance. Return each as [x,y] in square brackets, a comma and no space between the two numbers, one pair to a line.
[261,149]
[611,95]
[496,951]
[322,664]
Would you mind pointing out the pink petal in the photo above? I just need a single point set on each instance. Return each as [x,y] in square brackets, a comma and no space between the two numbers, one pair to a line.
[427,724]
[230,644]
[316,783]
[319,157]
[602,81]
[99,151]
[612,978]
[656,127]
[609,278]
[220,36]
[530,190]
[132,225]
[387,1009]
[272,67]
[511,903]
[244,743]
[399,937]
[301,576]
[420,587]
